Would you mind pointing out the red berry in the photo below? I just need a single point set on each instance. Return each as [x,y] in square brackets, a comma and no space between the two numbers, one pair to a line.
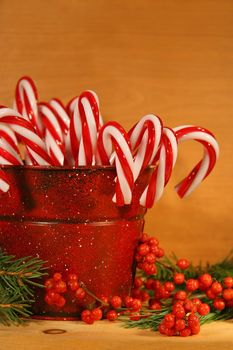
[178,278]
[228,294]
[185,332]
[159,252]
[136,293]
[53,296]
[183,264]
[149,284]
[48,300]
[73,285]
[181,295]
[138,258]
[96,314]
[196,301]
[153,241]
[193,320]
[72,277]
[209,293]
[192,285]
[111,315]
[205,280]
[150,258]
[60,287]
[49,284]
[80,293]
[219,304]
[162,328]
[189,306]
[148,268]
[203,309]
[135,316]
[169,286]
[85,313]
[216,288]
[195,329]
[60,302]
[154,305]
[178,310]
[138,282]
[169,320]
[143,249]
[128,301]
[116,302]
[57,276]
[145,296]
[228,282]
[136,305]
[180,324]
[156,285]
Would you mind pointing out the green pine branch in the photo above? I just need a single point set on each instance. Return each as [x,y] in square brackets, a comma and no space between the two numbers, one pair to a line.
[17,278]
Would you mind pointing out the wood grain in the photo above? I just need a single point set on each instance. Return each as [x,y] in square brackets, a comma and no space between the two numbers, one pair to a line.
[172,58]
[48,335]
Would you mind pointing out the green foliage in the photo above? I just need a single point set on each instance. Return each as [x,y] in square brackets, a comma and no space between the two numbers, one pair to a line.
[17,277]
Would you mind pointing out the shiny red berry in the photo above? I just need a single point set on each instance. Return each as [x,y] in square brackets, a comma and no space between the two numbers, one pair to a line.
[73,285]
[60,301]
[143,249]
[134,316]
[154,305]
[150,258]
[205,281]
[60,287]
[149,284]
[181,295]
[128,301]
[192,285]
[216,288]
[136,305]
[195,329]
[178,278]
[153,241]
[210,294]
[159,252]
[49,284]
[203,309]
[228,282]
[193,320]
[116,302]
[57,276]
[186,332]
[138,282]
[169,320]
[180,324]
[183,264]
[96,314]
[219,304]
[169,286]
[111,315]
[72,277]
[227,294]
[80,293]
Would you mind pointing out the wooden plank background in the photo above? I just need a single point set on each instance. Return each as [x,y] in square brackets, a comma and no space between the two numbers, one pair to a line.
[171,58]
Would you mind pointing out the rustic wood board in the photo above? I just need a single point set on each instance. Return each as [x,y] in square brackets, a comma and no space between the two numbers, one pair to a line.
[109,336]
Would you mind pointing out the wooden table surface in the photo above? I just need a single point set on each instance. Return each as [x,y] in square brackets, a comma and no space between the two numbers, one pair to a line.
[172,58]
[103,335]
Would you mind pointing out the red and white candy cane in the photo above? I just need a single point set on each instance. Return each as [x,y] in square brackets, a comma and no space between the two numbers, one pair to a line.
[112,136]
[54,137]
[91,122]
[26,98]
[9,154]
[166,157]
[74,132]
[25,132]
[205,166]
[9,151]
[145,139]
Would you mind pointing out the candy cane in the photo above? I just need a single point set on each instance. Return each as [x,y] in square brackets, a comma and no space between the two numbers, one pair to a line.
[54,137]
[112,135]
[74,132]
[26,102]
[25,132]
[91,121]
[9,154]
[167,157]
[145,139]
[206,165]
[9,151]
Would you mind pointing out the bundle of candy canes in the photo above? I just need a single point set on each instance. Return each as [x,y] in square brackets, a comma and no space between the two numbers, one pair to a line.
[53,134]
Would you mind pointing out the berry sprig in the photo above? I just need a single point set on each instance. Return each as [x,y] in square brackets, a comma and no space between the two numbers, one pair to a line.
[171,296]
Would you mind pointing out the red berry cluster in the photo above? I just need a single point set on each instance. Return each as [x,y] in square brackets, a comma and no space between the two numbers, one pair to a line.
[57,286]
[176,294]
[148,251]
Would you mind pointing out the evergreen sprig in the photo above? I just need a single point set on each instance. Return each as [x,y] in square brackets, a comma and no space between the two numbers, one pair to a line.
[17,277]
